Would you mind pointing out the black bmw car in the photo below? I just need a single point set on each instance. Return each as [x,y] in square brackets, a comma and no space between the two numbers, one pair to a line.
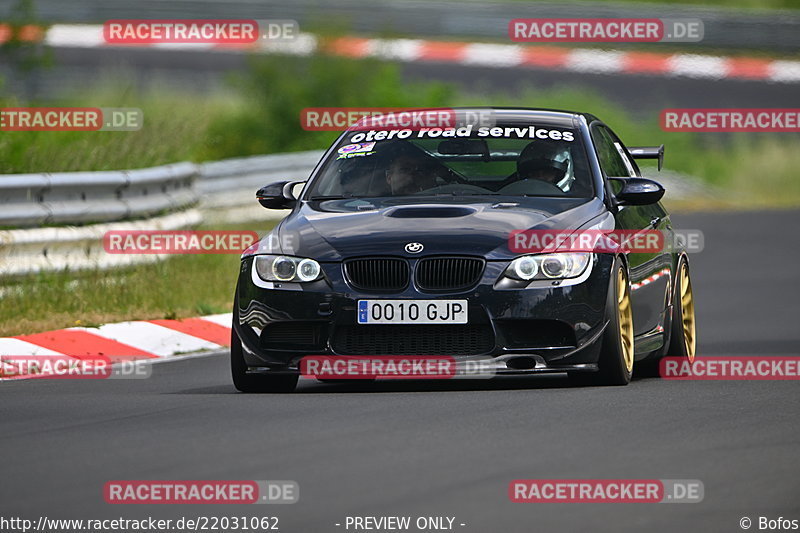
[400,244]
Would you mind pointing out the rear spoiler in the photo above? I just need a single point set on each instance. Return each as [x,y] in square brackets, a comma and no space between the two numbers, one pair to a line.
[648,152]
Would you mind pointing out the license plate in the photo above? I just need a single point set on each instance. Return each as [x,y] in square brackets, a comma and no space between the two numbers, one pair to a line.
[412,311]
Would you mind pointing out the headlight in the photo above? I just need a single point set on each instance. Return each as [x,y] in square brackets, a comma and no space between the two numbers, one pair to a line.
[286,268]
[548,266]
[308,270]
[524,267]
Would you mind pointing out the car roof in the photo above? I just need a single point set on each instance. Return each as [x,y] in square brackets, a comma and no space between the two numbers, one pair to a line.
[556,117]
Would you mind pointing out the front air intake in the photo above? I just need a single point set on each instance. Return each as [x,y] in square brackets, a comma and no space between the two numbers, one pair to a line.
[448,273]
[377,274]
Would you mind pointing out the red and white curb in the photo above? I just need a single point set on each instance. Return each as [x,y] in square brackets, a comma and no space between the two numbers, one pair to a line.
[126,341]
[647,281]
[572,59]
[583,60]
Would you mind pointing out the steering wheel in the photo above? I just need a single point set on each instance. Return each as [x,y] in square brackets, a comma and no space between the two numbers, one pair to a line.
[450,176]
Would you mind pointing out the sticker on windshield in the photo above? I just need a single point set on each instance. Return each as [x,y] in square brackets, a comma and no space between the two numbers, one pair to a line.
[524,132]
[356,150]
[529,132]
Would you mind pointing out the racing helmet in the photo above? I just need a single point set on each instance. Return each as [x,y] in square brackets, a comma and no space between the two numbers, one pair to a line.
[540,156]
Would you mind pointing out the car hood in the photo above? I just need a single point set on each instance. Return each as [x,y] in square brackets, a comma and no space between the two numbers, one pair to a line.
[333,230]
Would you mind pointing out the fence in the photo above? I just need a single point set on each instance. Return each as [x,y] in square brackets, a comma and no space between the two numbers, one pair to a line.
[77,208]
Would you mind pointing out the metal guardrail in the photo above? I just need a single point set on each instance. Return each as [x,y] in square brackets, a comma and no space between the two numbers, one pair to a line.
[83,197]
[25,251]
[724,27]
[83,206]
[227,187]
[180,196]
[223,183]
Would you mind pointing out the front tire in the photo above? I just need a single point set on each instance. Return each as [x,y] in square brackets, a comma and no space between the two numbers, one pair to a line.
[245,382]
[616,356]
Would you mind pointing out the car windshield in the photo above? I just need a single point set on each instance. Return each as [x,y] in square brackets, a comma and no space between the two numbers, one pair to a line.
[513,160]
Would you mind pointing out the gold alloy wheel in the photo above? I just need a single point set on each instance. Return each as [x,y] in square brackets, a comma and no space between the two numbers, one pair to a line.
[625,318]
[687,313]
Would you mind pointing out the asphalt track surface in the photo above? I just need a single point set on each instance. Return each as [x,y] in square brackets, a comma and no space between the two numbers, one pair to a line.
[446,448]
[210,71]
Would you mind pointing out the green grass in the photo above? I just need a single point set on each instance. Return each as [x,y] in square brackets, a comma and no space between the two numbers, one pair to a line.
[181,286]
[747,170]
[756,172]
[174,130]
[277,89]
[260,114]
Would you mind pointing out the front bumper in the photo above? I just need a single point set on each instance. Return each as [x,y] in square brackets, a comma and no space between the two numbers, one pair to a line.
[548,329]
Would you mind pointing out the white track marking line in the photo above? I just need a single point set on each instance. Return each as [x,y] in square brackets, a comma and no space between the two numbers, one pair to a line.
[399,49]
[184,46]
[304,45]
[595,61]
[77,35]
[225,319]
[151,338]
[787,71]
[408,50]
[492,55]
[10,346]
[698,66]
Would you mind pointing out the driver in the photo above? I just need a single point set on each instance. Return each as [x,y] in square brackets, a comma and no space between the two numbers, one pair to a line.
[408,174]
[539,161]
[356,177]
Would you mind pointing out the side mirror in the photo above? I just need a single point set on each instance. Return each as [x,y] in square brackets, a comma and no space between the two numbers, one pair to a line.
[277,195]
[639,191]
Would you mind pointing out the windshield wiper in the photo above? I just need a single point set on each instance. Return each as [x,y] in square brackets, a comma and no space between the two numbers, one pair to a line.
[454,193]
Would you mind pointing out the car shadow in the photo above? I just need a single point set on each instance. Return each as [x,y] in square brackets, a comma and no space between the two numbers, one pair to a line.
[555,381]
[504,383]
